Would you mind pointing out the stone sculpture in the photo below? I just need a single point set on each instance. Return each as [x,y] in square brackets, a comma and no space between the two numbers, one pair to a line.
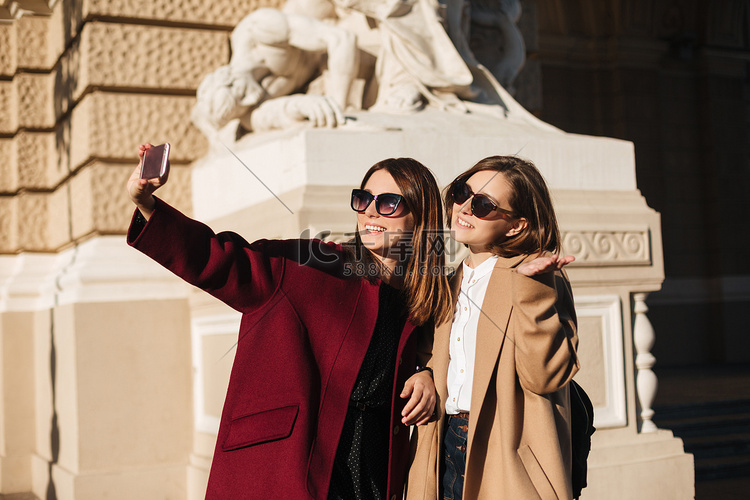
[316,58]
[275,55]
[485,31]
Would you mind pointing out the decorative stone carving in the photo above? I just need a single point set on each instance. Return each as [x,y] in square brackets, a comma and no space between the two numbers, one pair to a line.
[17,8]
[592,248]
[645,380]
[496,40]
[275,54]
[406,61]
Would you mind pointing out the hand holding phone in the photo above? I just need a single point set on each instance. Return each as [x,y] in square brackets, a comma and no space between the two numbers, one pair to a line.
[156,162]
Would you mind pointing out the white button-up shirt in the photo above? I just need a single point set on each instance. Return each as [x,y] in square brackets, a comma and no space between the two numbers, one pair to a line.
[463,343]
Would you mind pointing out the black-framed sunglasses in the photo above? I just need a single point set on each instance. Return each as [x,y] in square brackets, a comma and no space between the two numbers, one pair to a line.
[385,203]
[481,205]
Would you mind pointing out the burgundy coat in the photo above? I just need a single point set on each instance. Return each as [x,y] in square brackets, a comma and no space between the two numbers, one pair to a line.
[306,325]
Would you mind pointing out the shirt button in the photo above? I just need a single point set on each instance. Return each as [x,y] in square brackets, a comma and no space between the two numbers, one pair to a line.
[394,497]
[454,399]
[466,308]
[459,339]
[462,370]
[395,430]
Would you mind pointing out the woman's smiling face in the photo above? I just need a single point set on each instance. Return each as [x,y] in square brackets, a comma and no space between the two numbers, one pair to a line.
[380,233]
[478,233]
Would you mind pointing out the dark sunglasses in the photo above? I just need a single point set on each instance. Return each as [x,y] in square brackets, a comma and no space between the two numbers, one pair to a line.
[481,205]
[385,203]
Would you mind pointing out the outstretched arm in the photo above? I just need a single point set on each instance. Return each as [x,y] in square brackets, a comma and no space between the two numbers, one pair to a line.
[544,326]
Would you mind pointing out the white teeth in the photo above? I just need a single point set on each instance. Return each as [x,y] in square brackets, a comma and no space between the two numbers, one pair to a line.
[463,223]
[375,228]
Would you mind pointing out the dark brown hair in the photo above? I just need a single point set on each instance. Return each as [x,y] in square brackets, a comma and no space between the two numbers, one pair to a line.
[425,284]
[529,199]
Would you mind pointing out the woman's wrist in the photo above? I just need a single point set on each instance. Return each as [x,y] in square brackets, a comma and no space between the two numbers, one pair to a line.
[147,206]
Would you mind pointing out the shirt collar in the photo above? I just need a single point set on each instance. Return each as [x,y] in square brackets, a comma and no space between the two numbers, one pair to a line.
[479,272]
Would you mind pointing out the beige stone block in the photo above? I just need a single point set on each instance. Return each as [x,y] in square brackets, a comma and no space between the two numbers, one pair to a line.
[8,225]
[126,55]
[8,105]
[66,398]
[46,439]
[36,158]
[81,203]
[9,166]
[219,12]
[32,42]
[35,107]
[16,401]
[133,386]
[43,221]
[59,230]
[100,203]
[8,49]
[32,221]
[110,125]
[69,75]
[58,32]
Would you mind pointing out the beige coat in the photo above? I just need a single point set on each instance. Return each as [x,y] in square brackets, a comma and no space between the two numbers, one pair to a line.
[519,423]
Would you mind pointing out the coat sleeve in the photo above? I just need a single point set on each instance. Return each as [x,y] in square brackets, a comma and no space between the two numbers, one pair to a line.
[544,329]
[240,274]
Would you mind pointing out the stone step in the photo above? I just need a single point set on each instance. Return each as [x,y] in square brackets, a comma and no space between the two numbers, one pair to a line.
[717,433]
[706,426]
[721,468]
[703,409]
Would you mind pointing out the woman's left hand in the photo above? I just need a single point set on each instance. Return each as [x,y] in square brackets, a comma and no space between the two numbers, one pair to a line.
[420,389]
[544,264]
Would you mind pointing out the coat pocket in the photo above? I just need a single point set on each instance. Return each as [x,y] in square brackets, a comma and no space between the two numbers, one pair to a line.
[260,427]
[538,478]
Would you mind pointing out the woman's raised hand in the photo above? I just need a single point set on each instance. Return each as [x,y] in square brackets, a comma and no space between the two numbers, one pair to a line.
[141,191]
[544,264]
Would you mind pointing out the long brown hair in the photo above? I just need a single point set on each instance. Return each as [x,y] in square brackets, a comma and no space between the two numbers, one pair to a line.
[529,199]
[425,284]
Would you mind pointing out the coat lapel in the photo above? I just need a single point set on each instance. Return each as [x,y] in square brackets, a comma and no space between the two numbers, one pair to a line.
[491,328]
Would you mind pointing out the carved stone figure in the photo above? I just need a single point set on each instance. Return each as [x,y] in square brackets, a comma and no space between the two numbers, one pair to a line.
[485,32]
[275,54]
[313,59]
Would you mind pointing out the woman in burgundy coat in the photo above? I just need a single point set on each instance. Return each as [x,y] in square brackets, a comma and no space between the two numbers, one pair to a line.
[325,380]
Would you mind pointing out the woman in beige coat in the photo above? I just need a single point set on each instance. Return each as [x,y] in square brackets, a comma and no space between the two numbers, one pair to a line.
[502,365]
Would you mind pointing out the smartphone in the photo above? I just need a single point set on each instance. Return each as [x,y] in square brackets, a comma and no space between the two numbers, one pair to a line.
[155,162]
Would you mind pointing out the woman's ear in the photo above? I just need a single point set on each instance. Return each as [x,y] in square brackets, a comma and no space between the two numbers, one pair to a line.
[519,225]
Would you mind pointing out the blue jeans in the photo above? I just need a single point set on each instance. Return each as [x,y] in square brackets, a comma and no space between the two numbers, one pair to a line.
[454,457]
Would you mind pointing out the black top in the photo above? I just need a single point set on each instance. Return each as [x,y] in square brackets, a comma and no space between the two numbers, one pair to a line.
[360,469]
